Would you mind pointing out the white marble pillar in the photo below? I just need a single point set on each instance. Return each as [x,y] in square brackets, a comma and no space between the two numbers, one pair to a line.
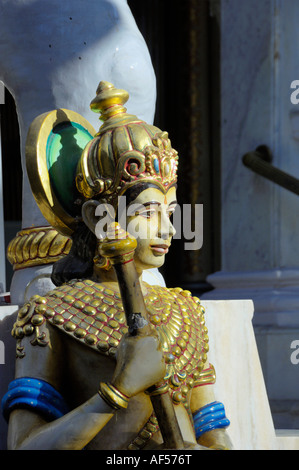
[260,226]
[239,379]
[53,54]
[260,223]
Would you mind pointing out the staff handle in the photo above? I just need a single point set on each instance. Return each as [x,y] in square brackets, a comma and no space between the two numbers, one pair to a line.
[119,248]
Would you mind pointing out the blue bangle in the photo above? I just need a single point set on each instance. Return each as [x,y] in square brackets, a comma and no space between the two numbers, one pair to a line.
[209,417]
[34,394]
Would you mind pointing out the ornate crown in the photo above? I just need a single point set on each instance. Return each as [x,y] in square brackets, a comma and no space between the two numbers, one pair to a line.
[124,152]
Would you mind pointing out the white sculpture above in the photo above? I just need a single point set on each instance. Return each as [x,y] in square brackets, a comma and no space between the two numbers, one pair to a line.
[53,55]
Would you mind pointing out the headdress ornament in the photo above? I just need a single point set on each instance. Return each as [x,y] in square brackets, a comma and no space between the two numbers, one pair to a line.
[67,161]
[125,151]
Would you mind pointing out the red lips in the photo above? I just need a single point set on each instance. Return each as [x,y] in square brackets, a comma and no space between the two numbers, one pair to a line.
[161,249]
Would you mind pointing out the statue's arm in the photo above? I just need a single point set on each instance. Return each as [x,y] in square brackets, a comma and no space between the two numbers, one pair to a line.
[74,430]
[28,429]
[218,438]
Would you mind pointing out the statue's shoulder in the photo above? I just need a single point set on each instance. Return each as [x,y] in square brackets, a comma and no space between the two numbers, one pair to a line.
[176,305]
[176,296]
[85,310]
[180,321]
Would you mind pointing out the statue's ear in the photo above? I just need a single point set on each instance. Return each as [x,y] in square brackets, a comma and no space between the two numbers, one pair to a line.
[97,216]
[89,214]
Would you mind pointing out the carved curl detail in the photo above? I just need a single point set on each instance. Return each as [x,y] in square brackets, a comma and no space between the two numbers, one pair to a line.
[37,246]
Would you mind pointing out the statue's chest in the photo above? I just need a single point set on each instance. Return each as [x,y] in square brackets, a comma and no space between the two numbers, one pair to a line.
[94,315]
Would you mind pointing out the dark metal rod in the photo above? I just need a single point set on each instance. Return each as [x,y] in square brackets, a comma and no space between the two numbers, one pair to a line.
[257,163]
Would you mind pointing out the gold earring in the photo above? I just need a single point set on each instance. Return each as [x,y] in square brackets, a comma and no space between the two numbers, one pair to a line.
[100,261]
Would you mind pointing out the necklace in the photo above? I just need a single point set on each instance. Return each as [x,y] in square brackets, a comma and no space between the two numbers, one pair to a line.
[93,314]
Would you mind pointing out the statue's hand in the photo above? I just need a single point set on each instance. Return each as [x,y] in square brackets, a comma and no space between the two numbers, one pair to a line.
[140,364]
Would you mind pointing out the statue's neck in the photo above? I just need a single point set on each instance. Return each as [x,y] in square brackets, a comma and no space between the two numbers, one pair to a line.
[109,279]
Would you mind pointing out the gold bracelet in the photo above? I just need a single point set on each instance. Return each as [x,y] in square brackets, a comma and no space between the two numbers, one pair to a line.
[112,396]
[158,389]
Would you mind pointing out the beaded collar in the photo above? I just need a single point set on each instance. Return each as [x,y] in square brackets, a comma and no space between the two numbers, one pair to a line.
[93,314]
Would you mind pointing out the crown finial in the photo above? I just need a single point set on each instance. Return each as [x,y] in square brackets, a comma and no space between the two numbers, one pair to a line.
[125,151]
[109,101]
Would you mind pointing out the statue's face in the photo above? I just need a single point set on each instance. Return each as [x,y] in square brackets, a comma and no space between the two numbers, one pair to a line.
[149,221]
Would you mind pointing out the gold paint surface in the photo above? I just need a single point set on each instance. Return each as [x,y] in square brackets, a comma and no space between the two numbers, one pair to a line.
[36,163]
[183,334]
[37,246]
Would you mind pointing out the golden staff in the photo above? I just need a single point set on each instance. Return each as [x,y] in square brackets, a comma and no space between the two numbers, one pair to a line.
[120,251]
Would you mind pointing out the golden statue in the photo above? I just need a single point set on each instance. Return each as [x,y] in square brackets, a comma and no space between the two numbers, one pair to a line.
[105,360]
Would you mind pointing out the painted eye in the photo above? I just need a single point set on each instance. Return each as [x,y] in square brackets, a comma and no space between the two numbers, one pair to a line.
[149,214]
[170,212]
[146,213]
